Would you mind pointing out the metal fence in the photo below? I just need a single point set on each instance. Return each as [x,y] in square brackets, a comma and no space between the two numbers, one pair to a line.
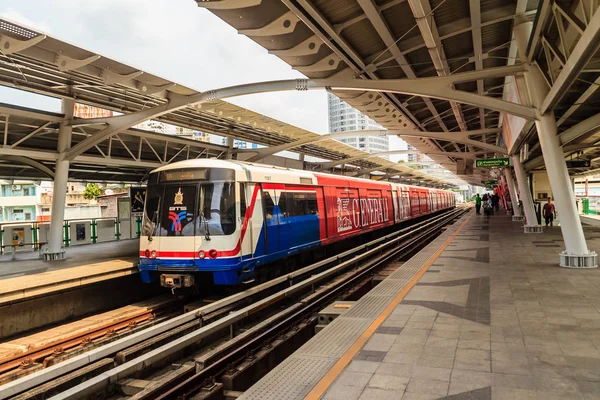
[19,236]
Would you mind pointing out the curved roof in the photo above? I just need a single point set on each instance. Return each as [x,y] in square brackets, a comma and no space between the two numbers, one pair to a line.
[34,61]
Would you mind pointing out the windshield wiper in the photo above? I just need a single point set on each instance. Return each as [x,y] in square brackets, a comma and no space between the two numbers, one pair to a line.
[205,222]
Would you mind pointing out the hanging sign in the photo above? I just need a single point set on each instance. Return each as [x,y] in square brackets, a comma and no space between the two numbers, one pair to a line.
[578,164]
[492,162]
[490,183]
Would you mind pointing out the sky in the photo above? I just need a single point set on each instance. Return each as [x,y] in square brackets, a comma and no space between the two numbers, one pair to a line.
[173,39]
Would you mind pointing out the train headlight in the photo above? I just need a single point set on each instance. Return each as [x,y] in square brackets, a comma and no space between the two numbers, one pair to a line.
[212,253]
[147,253]
[153,254]
[201,255]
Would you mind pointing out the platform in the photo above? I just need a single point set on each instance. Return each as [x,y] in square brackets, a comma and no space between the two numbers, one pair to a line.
[482,312]
[29,263]
[84,265]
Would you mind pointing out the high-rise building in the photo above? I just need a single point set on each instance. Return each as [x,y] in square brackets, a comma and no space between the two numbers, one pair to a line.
[414,157]
[344,118]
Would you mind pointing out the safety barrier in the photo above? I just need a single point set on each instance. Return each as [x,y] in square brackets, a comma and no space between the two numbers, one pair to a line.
[33,235]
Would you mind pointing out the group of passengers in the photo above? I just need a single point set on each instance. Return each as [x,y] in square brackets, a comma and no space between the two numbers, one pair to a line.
[489,202]
[492,202]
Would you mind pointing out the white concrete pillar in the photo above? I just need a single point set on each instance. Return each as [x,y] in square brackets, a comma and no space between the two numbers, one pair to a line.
[514,199]
[576,253]
[61,178]
[531,224]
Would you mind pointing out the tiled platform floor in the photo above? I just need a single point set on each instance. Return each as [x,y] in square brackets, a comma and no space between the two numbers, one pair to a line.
[493,317]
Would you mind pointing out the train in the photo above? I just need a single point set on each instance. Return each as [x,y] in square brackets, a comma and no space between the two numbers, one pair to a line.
[223,220]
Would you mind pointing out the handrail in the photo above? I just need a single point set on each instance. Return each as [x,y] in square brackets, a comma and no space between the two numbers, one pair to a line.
[36,225]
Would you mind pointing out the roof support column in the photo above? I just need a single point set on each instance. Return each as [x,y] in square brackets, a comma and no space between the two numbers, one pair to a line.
[512,191]
[576,253]
[55,249]
[531,225]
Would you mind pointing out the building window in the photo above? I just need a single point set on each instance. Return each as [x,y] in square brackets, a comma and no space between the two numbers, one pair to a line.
[27,216]
[26,192]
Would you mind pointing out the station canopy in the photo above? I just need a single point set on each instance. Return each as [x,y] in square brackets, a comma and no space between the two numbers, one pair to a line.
[36,62]
[412,39]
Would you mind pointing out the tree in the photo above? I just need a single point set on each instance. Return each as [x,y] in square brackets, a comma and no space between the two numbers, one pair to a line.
[91,191]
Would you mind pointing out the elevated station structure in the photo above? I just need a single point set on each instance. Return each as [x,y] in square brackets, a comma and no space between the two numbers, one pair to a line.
[453,70]
[59,146]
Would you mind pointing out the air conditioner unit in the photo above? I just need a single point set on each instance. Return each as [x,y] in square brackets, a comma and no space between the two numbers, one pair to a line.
[16,187]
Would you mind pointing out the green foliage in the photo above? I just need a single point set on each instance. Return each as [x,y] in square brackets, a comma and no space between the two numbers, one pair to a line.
[91,191]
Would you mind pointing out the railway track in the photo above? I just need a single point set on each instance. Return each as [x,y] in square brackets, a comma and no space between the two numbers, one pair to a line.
[200,346]
[83,337]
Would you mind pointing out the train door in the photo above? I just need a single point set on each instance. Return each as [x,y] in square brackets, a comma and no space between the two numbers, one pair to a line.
[423,205]
[405,204]
[396,203]
[272,218]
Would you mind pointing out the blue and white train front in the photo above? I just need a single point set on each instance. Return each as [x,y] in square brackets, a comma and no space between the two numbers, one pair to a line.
[192,224]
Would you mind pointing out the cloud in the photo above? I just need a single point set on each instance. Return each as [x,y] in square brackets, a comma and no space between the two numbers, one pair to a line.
[178,41]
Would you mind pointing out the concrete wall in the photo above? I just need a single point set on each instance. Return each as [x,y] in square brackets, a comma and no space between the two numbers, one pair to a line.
[80,212]
[541,186]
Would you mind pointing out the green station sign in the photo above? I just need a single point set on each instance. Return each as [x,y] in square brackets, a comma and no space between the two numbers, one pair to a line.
[490,183]
[492,162]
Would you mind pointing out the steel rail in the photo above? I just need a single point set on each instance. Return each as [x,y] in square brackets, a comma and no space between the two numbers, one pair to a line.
[80,361]
[104,380]
[197,381]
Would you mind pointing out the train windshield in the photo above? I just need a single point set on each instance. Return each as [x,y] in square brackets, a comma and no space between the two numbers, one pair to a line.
[171,210]
[216,209]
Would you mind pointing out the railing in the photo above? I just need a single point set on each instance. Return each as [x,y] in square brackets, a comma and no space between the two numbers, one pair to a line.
[19,236]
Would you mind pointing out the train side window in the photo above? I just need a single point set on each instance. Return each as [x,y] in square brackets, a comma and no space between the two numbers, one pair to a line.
[312,207]
[269,205]
[242,200]
[284,204]
[298,204]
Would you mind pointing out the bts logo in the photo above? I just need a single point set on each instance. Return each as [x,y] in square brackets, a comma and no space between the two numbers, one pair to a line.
[177,214]
[177,218]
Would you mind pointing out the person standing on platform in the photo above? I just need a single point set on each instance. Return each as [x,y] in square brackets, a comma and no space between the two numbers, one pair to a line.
[487,205]
[549,212]
[477,204]
[496,202]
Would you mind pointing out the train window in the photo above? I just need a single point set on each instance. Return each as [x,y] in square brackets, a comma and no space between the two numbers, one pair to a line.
[151,209]
[311,203]
[242,200]
[269,205]
[293,204]
[217,209]
[177,211]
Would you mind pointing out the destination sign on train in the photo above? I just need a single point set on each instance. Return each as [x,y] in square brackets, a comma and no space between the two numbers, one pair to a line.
[185,175]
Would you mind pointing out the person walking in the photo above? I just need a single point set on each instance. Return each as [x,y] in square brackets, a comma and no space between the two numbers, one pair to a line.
[477,204]
[496,202]
[549,212]
[487,205]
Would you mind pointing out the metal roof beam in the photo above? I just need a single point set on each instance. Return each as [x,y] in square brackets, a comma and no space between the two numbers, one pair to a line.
[421,10]
[30,162]
[326,32]
[584,50]
[458,137]
[438,87]
[331,164]
[384,32]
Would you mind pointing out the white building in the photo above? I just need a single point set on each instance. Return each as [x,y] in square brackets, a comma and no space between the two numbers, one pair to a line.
[344,118]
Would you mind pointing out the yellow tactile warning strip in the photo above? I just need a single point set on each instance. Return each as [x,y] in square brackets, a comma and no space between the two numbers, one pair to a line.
[319,390]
